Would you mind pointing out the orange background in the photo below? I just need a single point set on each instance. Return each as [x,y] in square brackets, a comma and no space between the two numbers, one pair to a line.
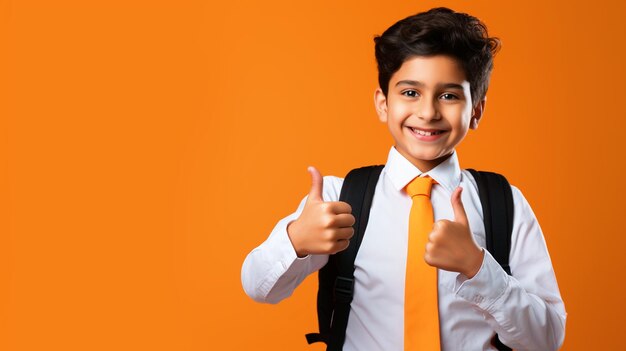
[134,135]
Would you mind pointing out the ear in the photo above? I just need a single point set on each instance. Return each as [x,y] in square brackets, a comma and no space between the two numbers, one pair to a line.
[477,113]
[380,102]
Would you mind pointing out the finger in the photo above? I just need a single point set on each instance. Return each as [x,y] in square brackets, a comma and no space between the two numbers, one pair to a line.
[457,206]
[343,233]
[428,258]
[344,220]
[432,237]
[339,207]
[317,184]
[341,245]
[438,226]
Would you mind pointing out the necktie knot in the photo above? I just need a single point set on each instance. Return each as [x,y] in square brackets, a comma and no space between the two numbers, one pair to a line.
[420,186]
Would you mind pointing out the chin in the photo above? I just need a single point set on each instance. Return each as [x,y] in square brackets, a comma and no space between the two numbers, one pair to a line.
[426,156]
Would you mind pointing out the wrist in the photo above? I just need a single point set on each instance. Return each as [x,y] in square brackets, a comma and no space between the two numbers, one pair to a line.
[293,237]
[475,263]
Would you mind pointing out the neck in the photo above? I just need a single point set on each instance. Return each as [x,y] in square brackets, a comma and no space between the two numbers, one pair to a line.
[425,165]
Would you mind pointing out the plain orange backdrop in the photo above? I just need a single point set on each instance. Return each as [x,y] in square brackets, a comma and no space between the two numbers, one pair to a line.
[147,146]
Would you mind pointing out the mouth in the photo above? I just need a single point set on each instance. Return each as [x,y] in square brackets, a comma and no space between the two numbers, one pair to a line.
[426,134]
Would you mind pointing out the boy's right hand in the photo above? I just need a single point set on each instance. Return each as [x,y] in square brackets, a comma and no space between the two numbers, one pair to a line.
[323,227]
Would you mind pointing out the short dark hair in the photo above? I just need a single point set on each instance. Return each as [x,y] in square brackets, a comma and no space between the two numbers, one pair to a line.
[439,31]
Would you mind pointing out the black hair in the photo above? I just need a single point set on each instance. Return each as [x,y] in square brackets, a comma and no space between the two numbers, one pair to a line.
[439,31]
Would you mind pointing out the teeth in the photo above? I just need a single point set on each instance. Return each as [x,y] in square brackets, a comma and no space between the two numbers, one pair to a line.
[421,132]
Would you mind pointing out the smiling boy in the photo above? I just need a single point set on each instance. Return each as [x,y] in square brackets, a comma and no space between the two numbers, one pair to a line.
[428,110]
[434,70]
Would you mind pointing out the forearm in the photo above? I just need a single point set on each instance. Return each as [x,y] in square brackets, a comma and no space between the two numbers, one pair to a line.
[523,320]
[272,271]
[526,321]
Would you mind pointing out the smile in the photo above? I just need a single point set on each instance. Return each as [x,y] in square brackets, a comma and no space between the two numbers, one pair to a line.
[426,133]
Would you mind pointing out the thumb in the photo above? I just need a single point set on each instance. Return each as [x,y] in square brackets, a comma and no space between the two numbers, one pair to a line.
[317,184]
[457,206]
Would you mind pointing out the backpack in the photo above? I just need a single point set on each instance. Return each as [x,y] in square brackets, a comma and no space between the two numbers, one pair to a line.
[336,278]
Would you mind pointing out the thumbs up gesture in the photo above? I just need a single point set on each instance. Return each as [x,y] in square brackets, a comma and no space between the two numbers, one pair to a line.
[323,227]
[451,245]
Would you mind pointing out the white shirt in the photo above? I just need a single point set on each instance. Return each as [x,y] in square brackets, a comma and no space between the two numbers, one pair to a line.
[525,309]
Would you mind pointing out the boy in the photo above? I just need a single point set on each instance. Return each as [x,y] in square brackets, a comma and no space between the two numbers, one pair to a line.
[434,70]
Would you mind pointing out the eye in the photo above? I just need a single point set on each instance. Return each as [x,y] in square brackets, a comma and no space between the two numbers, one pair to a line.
[410,93]
[448,96]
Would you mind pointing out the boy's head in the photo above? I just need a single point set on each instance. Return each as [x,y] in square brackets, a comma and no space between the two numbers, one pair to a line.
[439,31]
[434,70]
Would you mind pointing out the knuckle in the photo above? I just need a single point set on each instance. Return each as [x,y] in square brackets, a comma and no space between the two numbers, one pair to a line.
[348,207]
[327,221]
[346,244]
[330,207]
[351,220]
[430,247]
[432,236]
[331,222]
[330,247]
[350,232]
[341,245]
[428,258]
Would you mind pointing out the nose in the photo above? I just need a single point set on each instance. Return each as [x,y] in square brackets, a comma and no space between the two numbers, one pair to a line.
[426,110]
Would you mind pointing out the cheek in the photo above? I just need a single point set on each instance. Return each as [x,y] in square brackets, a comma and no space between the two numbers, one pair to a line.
[460,129]
[398,115]
[461,122]
[463,125]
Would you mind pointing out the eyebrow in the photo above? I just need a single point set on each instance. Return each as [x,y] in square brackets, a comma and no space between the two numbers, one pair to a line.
[420,84]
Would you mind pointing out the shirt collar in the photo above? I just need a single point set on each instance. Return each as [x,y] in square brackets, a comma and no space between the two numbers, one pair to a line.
[401,171]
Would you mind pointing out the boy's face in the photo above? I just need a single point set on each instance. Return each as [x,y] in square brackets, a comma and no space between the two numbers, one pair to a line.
[428,109]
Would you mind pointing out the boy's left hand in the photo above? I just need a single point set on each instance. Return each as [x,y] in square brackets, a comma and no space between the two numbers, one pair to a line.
[451,245]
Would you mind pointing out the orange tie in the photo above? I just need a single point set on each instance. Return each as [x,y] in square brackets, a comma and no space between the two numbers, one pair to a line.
[421,314]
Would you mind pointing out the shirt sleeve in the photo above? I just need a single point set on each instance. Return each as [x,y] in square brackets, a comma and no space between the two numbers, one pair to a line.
[272,271]
[525,309]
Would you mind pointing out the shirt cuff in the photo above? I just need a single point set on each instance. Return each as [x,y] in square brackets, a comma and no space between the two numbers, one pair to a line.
[284,261]
[288,257]
[486,287]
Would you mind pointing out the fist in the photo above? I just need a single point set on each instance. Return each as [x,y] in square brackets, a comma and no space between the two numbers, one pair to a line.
[451,245]
[323,227]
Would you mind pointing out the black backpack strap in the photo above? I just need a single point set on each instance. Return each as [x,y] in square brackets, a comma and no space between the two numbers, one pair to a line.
[496,198]
[336,278]
[497,203]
